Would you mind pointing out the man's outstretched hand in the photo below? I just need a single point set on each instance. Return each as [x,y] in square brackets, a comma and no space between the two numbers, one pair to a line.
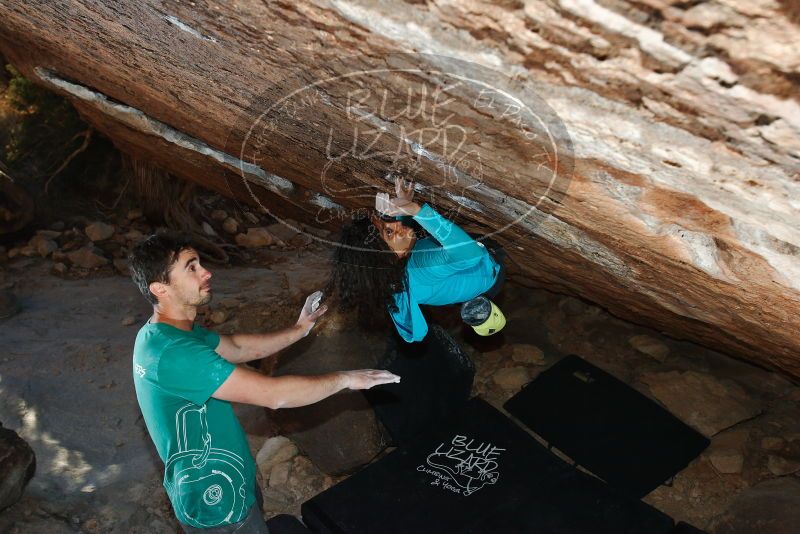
[367,378]
[311,312]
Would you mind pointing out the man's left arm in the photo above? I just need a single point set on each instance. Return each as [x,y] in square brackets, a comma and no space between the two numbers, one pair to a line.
[240,348]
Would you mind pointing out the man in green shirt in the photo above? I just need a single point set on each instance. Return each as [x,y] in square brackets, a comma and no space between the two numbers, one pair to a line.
[186,377]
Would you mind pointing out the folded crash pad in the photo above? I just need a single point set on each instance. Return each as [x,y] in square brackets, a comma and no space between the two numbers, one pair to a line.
[477,473]
[606,426]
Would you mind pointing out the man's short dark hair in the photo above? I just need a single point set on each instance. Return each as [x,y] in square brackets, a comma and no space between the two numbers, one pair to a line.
[151,259]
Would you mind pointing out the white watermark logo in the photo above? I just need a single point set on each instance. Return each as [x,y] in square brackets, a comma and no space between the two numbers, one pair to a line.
[479,146]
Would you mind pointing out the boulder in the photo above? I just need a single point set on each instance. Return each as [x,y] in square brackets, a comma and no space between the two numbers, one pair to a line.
[658,178]
[17,466]
[341,433]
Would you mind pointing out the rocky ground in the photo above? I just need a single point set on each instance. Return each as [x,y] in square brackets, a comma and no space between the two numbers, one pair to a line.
[65,383]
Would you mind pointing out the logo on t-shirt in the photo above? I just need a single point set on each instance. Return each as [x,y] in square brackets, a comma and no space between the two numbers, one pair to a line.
[139,370]
[463,466]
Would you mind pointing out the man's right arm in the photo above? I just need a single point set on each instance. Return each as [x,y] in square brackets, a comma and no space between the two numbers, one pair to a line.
[291,391]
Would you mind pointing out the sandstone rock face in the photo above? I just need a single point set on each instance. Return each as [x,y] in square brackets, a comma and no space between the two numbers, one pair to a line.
[17,465]
[670,195]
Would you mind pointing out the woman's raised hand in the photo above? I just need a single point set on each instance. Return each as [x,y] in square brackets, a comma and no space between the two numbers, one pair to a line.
[401,204]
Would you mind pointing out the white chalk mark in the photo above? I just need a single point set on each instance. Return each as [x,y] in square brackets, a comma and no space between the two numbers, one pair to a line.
[188,29]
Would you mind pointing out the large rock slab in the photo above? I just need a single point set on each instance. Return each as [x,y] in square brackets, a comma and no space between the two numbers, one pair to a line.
[701,400]
[340,433]
[17,466]
[770,507]
[682,209]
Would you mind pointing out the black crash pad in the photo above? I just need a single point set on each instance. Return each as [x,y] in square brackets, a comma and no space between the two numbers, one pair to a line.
[286,524]
[436,381]
[686,528]
[477,473]
[606,426]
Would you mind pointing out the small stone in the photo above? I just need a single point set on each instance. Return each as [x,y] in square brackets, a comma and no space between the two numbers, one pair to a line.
[134,214]
[99,231]
[134,235]
[121,265]
[87,257]
[45,247]
[727,461]
[208,229]
[230,225]
[219,316]
[650,346]
[530,354]
[279,474]
[511,378]
[128,320]
[59,268]
[28,251]
[255,238]
[274,451]
[9,305]
[13,252]
[48,234]
[58,226]
[772,443]
[219,215]
[250,217]
[780,466]
[300,240]
[284,231]
[59,256]
[703,401]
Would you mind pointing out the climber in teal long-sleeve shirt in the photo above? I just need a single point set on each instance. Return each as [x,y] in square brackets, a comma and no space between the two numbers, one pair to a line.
[380,262]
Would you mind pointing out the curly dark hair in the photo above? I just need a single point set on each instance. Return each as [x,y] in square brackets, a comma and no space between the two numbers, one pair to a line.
[366,273]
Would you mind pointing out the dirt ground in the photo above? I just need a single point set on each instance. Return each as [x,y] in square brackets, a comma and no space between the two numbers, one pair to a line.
[66,387]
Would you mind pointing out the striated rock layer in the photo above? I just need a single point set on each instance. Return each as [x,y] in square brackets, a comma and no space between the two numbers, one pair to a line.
[642,154]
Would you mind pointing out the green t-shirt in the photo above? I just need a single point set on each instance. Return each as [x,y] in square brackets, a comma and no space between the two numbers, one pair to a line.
[209,471]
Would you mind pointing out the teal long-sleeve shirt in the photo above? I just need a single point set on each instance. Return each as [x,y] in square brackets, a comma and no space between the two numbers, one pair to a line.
[448,268]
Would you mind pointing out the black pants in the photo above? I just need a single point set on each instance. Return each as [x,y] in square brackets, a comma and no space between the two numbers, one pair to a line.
[498,253]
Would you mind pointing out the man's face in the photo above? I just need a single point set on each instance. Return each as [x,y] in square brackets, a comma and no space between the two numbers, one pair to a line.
[399,237]
[189,283]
